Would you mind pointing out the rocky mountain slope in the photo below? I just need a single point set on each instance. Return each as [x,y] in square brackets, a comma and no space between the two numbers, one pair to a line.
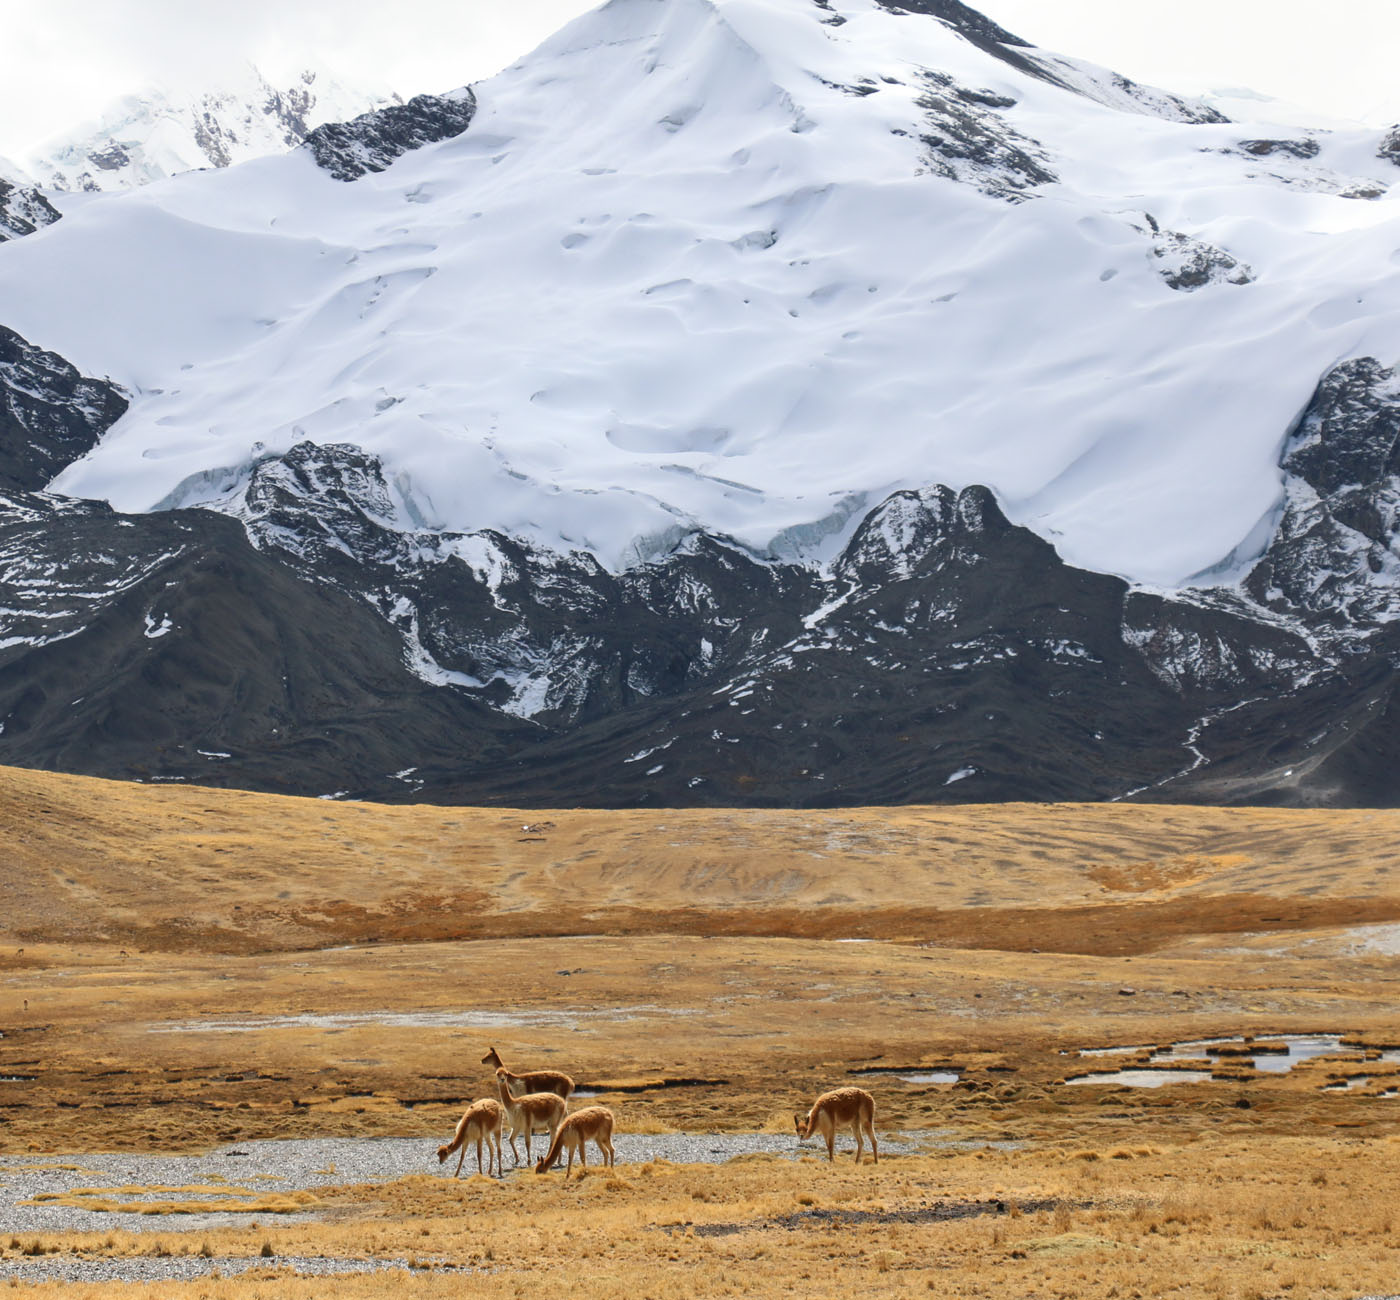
[775,402]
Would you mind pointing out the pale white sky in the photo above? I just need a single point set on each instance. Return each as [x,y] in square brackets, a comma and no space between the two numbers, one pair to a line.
[62,61]
[1337,58]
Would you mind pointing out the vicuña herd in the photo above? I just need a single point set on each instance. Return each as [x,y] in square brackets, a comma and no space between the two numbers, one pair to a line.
[537,1102]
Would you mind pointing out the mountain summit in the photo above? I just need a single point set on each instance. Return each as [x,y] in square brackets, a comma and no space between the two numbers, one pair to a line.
[733,399]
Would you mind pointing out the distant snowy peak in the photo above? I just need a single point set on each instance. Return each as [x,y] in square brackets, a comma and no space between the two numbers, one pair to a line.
[145,138]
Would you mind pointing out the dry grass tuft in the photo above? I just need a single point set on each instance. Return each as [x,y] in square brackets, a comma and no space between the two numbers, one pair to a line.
[237,1200]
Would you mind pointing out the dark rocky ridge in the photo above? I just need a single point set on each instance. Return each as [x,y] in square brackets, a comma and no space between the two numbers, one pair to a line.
[945,655]
[1020,54]
[369,143]
[980,31]
[133,643]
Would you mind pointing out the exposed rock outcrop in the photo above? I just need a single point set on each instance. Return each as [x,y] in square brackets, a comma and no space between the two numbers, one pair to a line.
[23,210]
[49,414]
[369,143]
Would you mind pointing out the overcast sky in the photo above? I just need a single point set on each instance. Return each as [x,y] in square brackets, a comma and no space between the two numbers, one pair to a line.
[62,61]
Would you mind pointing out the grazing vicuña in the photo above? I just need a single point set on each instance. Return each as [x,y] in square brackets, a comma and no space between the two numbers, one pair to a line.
[837,1109]
[592,1124]
[483,1119]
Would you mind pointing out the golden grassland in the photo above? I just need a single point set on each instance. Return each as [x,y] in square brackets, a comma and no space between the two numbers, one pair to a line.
[182,967]
[1216,1218]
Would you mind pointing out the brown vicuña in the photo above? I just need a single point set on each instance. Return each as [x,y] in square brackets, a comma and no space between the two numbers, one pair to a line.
[555,1081]
[531,1113]
[837,1109]
[484,1119]
[592,1124]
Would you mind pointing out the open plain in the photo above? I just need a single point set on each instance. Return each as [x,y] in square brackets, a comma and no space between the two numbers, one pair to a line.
[193,973]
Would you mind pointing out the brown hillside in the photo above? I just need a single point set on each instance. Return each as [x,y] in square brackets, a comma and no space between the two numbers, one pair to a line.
[167,868]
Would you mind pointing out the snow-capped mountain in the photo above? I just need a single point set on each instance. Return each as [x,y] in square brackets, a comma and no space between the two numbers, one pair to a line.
[161,133]
[735,400]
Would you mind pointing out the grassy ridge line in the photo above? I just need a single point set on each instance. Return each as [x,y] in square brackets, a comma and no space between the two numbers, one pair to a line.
[172,868]
[1113,930]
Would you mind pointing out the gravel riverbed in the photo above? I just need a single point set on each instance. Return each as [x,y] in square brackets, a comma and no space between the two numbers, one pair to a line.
[300,1165]
[188,1268]
[273,1167]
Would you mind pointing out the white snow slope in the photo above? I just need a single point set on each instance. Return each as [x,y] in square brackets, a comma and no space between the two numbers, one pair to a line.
[675,276]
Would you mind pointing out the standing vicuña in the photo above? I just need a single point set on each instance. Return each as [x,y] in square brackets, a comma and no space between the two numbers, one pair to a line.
[836,1109]
[535,1112]
[483,1119]
[592,1124]
[555,1081]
